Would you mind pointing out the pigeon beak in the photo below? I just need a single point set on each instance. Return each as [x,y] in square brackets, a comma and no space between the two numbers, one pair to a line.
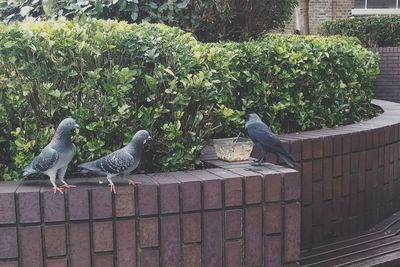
[149,138]
[76,125]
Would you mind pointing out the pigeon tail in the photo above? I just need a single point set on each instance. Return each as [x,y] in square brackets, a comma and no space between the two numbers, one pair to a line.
[288,159]
[27,170]
[88,166]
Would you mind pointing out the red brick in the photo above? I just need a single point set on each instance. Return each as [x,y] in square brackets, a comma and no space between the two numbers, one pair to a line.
[213,238]
[101,202]
[31,246]
[148,232]
[28,204]
[102,236]
[169,197]
[7,208]
[191,196]
[191,256]
[53,206]
[337,144]
[170,241]
[327,180]
[103,260]
[295,149]
[233,224]
[273,187]
[273,254]
[191,227]
[78,203]
[307,183]
[292,186]
[355,158]
[253,236]
[292,232]
[355,142]
[79,244]
[233,253]
[327,220]
[328,148]
[124,202]
[149,258]
[55,240]
[148,199]
[272,218]
[317,169]
[337,166]
[233,192]
[318,148]
[306,225]
[57,263]
[126,243]
[212,198]
[8,243]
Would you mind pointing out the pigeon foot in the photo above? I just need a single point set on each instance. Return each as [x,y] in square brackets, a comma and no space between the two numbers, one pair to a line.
[112,188]
[58,189]
[134,183]
[65,185]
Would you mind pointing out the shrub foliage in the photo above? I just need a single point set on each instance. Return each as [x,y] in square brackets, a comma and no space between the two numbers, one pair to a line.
[372,31]
[115,78]
[208,20]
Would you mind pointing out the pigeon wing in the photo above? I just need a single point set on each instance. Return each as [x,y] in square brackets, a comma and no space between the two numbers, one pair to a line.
[45,160]
[117,162]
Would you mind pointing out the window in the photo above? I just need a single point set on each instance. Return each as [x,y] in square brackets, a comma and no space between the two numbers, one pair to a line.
[376,7]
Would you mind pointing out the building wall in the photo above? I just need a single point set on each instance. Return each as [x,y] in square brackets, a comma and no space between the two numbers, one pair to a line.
[321,11]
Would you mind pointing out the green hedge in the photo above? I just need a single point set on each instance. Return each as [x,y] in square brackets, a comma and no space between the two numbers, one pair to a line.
[372,31]
[115,78]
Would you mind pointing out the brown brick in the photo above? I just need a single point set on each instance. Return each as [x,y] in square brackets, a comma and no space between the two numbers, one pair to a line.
[307,183]
[191,196]
[191,227]
[253,236]
[292,232]
[337,144]
[253,189]
[170,241]
[169,197]
[79,244]
[103,260]
[317,169]
[57,263]
[355,142]
[273,254]
[233,253]
[148,199]
[101,202]
[317,203]
[306,225]
[272,218]
[31,246]
[8,243]
[233,223]
[53,206]
[78,203]
[212,198]
[354,162]
[7,207]
[102,236]
[346,140]
[318,148]
[28,204]
[191,256]
[327,180]
[55,240]
[273,187]
[213,239]
[124,201]
[337,166]
[295,149]
[307,149]
[126,243]
[328,148]
[233,192]
[292,186]
[149,258]
[148,232]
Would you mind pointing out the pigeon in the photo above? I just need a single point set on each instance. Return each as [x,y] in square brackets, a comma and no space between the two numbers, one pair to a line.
[120,162]
[53,160]
[265,139]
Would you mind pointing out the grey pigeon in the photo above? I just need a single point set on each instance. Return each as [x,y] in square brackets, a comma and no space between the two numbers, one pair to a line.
[265,139]
[53,160]
[120,162]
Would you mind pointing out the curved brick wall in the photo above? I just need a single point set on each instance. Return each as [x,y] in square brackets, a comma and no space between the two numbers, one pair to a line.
[350,175]
[230,216]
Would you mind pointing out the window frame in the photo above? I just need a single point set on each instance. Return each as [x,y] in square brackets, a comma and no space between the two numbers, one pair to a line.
[376,11]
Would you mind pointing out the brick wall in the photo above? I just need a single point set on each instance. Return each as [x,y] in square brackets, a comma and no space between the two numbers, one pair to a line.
[350,175]
[231,216]
[387,84]
[321,11]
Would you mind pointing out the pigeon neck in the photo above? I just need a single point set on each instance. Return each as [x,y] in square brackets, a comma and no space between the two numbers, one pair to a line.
[62,136]
[135,146]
